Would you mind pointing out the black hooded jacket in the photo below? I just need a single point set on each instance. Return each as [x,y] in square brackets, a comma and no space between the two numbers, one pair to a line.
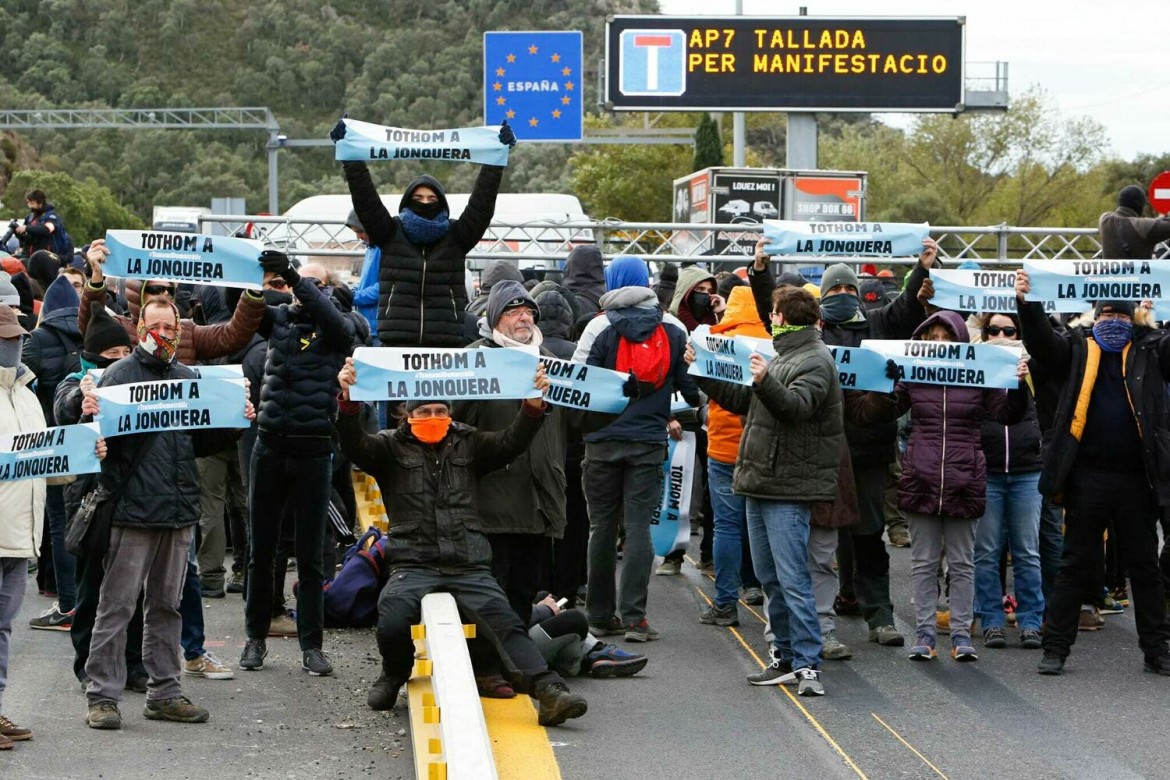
[585,278]
[421,294]
[556,322]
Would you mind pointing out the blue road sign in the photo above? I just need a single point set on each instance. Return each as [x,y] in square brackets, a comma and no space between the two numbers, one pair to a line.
[653,62]
[533,80]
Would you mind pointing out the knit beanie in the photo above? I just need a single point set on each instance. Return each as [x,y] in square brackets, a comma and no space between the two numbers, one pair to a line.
[8,294]
[506,295]
[1115,307]
[839,274]
[103,332]
[60,295]
[412,405]
[790,279]
[44,267]
[1132,197]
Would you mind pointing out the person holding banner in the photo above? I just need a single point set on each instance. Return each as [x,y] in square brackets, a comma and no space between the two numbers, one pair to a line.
[943,489]
[151,527]
[1108,461]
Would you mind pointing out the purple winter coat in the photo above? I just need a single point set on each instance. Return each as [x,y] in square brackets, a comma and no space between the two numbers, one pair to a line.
[943,471]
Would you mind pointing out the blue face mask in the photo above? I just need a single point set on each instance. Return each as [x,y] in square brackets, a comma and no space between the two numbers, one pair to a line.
[1112,335]
[421,230]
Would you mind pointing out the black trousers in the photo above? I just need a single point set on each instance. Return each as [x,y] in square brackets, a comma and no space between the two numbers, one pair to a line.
[477,593]
[517,562]
[570,564]
[90,574]
[1094,501]
[863,563]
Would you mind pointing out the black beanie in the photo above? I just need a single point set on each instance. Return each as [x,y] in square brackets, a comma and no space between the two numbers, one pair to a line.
[1132,197]
[44,267]
[412,405]
[104,332]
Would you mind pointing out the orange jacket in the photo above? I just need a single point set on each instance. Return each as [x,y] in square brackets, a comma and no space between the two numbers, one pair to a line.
[724,429]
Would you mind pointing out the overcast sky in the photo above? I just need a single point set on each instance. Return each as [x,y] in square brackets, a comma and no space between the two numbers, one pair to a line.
[1097,58]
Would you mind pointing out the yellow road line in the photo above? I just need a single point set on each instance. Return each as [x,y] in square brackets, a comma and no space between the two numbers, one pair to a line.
[521,747]
[815,723]
[742,603]
[910,747]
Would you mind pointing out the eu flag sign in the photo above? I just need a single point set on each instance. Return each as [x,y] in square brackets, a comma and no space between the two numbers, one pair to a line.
[533,80]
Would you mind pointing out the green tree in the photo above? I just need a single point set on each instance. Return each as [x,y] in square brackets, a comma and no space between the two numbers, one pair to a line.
[88,208]
[708,147]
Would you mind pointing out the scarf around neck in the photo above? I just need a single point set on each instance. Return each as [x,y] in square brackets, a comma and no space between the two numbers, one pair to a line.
[421,230]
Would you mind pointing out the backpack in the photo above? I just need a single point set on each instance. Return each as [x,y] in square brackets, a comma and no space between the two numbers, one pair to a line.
[61,241]
[649,360]
[351,598]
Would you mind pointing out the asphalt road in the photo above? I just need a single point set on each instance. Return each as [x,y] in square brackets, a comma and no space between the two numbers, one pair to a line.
[690,714]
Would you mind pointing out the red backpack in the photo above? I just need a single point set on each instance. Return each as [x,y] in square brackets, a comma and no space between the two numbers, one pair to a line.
[649,361]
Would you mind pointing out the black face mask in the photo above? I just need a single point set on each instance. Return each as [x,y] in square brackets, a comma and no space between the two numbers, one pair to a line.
[98,360]
[427,210]
[700,304]
[276,297]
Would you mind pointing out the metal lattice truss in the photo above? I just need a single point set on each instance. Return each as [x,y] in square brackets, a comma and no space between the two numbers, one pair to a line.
[123,118]
[545,244]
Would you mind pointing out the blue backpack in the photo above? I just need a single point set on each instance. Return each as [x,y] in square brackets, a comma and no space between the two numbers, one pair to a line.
[351,598]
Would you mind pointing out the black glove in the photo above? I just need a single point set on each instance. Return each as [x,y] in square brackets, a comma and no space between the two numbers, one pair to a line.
[892,370]
[273,261]
[338,131]
[507,137]
[631,387]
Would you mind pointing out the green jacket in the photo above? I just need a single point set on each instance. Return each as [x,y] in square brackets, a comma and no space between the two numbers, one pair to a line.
[795,427]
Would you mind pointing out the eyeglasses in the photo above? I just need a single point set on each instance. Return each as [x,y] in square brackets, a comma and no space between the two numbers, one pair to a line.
[159,289]
[1007,330]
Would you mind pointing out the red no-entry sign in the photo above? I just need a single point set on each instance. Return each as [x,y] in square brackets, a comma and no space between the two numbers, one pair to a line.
[1159,193]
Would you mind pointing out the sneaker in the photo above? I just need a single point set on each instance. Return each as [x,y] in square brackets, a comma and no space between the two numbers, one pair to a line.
[316,663]
[923,649]
[778,672]
[1030,639]
[1051,664]
[136,683]
[707,566]
[494,686]
[611,661]
[962,650]
[843,605]
[613,628]
[994,638]
[53,619]
[383,693]
[942,620]
[235,583]
[282,625]
[103,715]
[11,731]
[178,710]
[1111,606]
[1090,619]
[1121,596]
[254,653]
[640,632]
[753,597]
[669,568]
[887,636]
[810,682]
[721,616]
[1158,664]
[6,743]
[833,649]
[207,665]
[558,704]
[899,538]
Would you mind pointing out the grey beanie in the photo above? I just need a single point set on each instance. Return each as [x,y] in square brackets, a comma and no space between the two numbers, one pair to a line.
[507,294]
[8,294]
[839,274]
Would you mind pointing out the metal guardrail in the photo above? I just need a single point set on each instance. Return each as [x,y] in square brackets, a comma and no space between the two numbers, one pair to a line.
[546,243]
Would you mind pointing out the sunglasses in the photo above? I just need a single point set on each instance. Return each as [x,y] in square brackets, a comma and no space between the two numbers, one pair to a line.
[159,289]
[995,330]
[277,284]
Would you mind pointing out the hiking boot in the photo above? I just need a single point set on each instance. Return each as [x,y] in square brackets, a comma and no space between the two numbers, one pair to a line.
[254,653]
[178,710]
[779,672]
[235,583]
[207,665]
[640,632]
[887,636]
[316,663]
[1158,664]
[53,619]
[383,693]
[1111,606]
[721,616]
[13,732]
[1090,619]
[558,704]
[833,649]
[282,625]
[899,538]
[103,715]
[1051,664]
[669,568]
[1030,639]
[923,649]
[962,650]
[6,743]
[611,661]
[612,628]
[994,638]
[136,683]
[1121,596]
[753,597]
[810,682]
[494,686]
[942,620]
[843,605]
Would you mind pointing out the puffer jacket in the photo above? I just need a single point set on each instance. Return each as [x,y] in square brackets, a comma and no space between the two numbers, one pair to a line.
[585,278]
[1013,449]
[199,342]
[793,438]
[421,296]
[556,323]
[944,472]
[23,500]
[432,493]
[52,351]
[308,342]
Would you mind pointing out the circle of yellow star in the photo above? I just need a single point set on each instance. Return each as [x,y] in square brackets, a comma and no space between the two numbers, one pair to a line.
[510,114]
[566,100]
[556,58]
[532,49]
[564,72]
[500,72]
[533,122]
[497,86]
[511,58]
[569,86]
[500,100]
[556,113]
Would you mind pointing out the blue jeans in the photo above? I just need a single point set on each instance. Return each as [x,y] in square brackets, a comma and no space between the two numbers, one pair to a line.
[778,531]
[1012,517]
[191,608]
[730,531]
[64,564]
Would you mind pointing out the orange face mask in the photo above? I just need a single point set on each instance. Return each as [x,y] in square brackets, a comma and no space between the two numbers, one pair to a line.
[429,430]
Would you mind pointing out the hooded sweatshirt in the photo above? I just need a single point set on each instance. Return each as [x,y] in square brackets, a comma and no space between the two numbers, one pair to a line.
[724,428]
[585,277]
[494,272]
[688,279]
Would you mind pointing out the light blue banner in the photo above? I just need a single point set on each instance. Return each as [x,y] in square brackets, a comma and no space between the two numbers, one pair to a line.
[51,452]
[1075,284]
[726,359]
[862,369]
[203,372]
[184,257]
[951,363]
[678,404]
[364,142]
[170,405]
[579,386]
[992,291]
[670,527]
[415,374]
[851,239]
